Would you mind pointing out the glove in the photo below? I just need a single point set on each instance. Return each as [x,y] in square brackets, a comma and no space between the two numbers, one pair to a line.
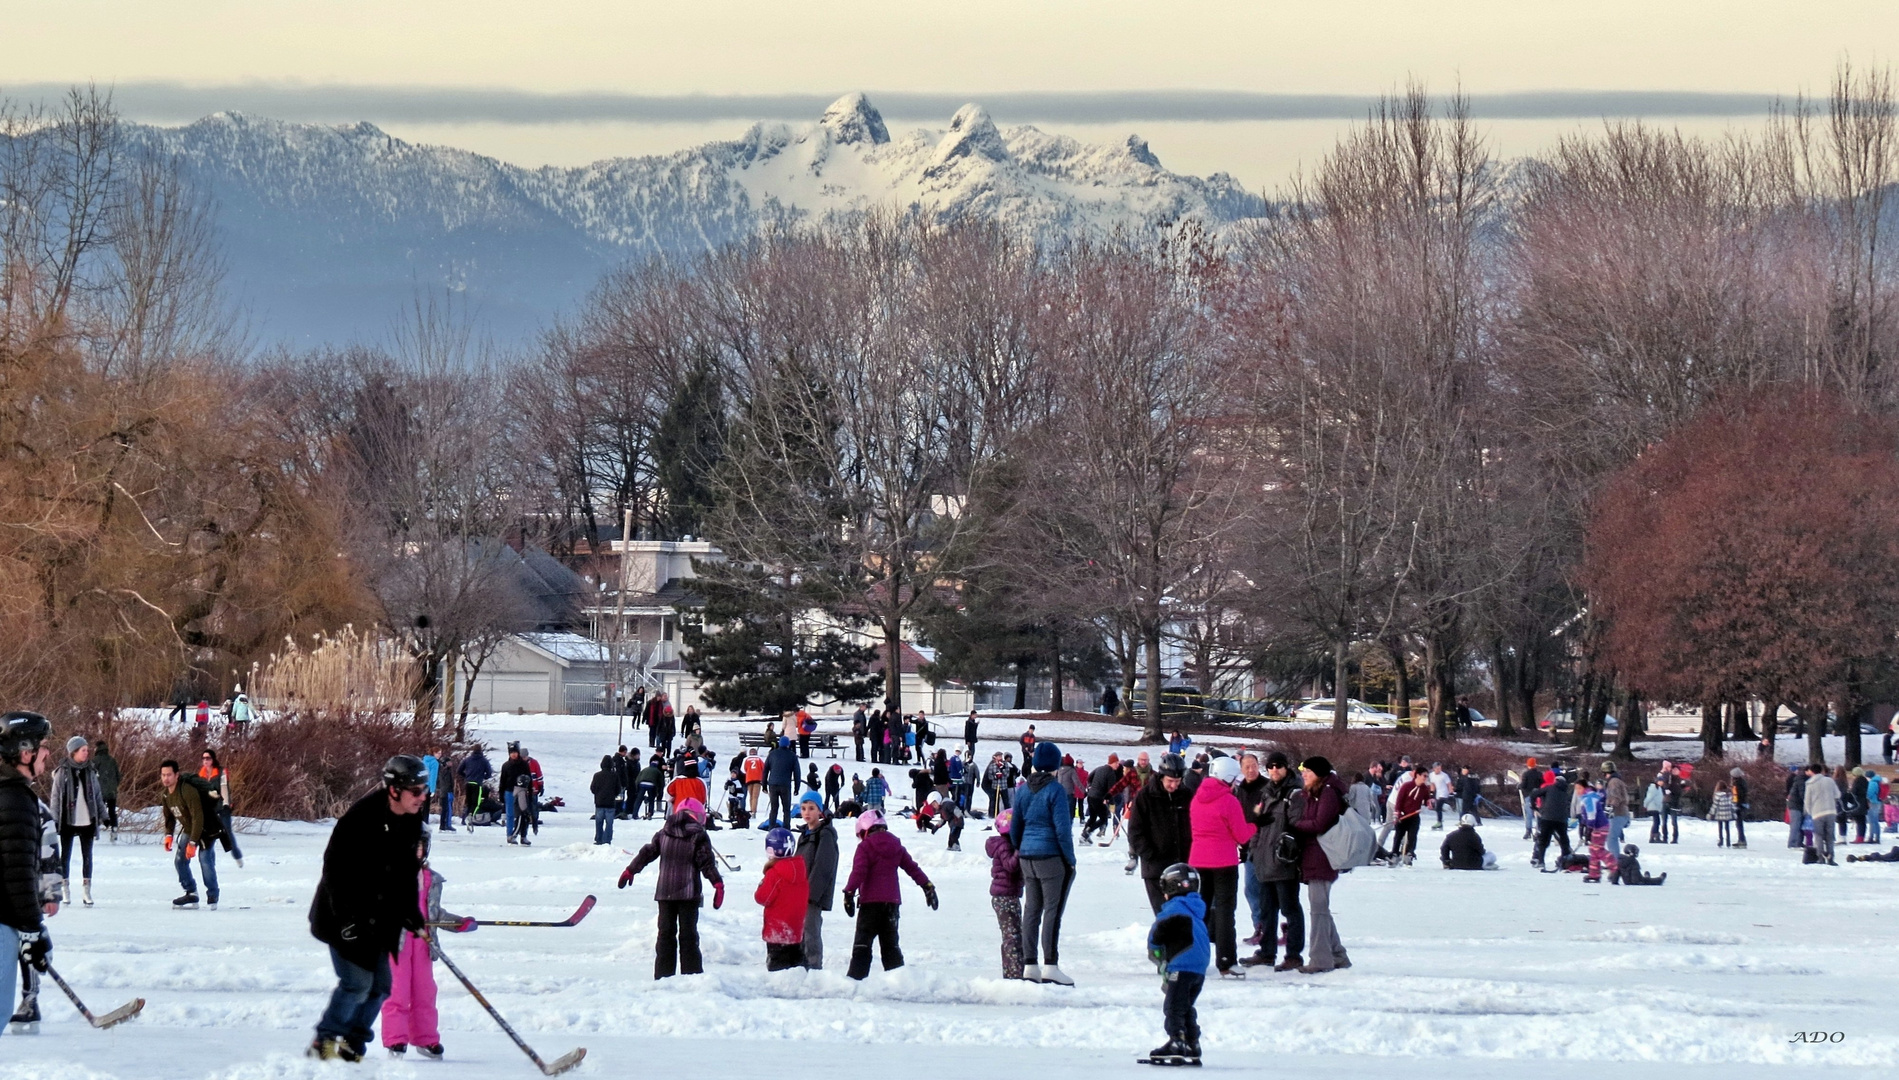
[468,925]
[929,895]
[626,877]
[191,850]
[34,949]
[414,923]
[850,905]
[167,841]
[1159,956]
[718,895]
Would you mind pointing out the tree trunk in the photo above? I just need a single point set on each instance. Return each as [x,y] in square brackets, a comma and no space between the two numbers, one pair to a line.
[1339,692]
[1151,730]
[1402,673]
[1499,684]
[893,663]
[1741,725]
[1625,727]
[1711,742]
[1853,704]
[1021,685]
[1599,712]
[1529,679]
[1056,701]
[1583,734]
[1813,717]
[1437,687]
[1770,727]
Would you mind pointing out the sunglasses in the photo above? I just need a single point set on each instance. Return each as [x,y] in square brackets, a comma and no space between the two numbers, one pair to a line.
[418,790]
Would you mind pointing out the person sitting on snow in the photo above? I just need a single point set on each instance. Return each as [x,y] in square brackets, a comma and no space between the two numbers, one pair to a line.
[1890,856]
[1629,870]
[1463,849]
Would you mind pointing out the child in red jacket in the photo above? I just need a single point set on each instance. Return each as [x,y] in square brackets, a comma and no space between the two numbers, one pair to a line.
[784,892]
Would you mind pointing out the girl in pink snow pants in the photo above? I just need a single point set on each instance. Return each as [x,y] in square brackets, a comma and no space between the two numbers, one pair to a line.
[408,1016]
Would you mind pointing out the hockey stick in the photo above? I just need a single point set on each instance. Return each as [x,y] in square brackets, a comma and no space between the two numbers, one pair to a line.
[560,1065]
[571,920]
[729,863]
[117,1016]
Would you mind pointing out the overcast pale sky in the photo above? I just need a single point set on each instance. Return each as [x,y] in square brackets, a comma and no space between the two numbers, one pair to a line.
[968,49]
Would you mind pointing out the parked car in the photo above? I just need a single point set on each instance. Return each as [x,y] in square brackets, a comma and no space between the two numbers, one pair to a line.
[1560,720]
[1357,713]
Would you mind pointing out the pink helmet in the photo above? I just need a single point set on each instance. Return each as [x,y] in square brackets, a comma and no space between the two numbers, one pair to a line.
[869,820]
[694,807]
[1003,820]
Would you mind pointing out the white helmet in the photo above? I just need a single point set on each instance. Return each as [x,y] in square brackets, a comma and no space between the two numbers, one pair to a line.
[1224,769]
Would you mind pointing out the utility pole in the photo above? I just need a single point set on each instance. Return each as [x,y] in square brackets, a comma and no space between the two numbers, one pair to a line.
[618,638]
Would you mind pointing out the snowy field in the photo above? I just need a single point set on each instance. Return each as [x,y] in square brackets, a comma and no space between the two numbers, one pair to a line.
[1475,975]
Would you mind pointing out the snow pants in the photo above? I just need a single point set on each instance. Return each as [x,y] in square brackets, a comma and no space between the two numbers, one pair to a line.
[1178,1015]
[1599,856]
[783,957]
[875,922]
[814,937]
[1220,887]
[408,1017]
[1324,950]
[1045,883]
[1009,918]
[678,939]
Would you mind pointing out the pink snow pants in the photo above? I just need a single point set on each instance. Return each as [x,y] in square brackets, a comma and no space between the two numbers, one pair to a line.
[408,1017]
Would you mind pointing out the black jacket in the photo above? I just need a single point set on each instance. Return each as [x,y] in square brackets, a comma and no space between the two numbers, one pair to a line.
[1280,812]
[512,770]
[1553,802]
[20,827]
[606,784]
[1463,849]
[367,893]
[1160,830]
[818,848]
[1100,780]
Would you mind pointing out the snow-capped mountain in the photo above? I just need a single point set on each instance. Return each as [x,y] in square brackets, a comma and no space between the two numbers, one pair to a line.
[330,230]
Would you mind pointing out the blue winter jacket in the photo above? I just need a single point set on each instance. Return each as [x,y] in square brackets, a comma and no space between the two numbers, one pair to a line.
[434,768]
[1044,824]
[781,767]
[1180,917]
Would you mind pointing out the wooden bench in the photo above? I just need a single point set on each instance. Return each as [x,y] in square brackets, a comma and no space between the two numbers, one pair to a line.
[823,740]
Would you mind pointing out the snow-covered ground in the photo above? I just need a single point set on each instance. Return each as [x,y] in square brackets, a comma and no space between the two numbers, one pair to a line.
[1472,975]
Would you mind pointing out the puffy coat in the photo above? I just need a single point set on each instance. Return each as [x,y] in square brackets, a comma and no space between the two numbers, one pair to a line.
[1219,827]
[1044,825]
[19,854]
[1101,780]
[367,894]
[1553,802]
[1320,813]
[684,855]
[874,868]
[818,848]
[1273,815]
[781,767]
[1462,849]
[1160,826]
[784,893]
[1180,934]
[1005,868]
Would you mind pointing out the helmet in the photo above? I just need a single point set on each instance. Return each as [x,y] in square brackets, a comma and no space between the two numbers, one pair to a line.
[780,842]
[405,770]
[694,809]
[20,735]
[869,820]
[1179,879]
[1172,765]
[1004,819]
[1630,851]
[1224,769]
[1468,819]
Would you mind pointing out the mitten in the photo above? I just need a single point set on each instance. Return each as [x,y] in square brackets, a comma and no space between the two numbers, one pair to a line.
[718,895]
[929,895]
[626,877]
[850,905]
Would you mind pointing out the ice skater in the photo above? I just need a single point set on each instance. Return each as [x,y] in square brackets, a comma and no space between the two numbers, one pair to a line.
[409,1016]
[1179,946]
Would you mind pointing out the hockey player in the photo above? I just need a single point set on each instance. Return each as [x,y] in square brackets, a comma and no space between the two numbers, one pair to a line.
[1179,947]
[29,864]
[684,854]
[409,1017]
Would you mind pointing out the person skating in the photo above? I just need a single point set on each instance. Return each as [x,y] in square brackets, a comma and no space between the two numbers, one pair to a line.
[785,893]
[1043,828]
[1593,815]
[1005,893]
[817,846]
[515,789]
[1463,849]
[364,901]
[107,767]
[1552,817]
[474,771]
[873,894]
[409,1016]
[1629,869]
[684,853]
[29,852]
[1527,787]
[214,783]
[1408,814]
[1099,782]
[1177,943]
[191,830]
[781,776]
[1160,825]
[951,814]
[1277,807]
[78,808]
[1220,828]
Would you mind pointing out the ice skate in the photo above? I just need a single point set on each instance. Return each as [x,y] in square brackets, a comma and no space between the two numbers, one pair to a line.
[85,891]
[187,901]
[1032,973]
[1053,974]
[430,1053]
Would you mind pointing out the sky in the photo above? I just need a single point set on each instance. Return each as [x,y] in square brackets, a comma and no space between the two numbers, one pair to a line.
[565,83]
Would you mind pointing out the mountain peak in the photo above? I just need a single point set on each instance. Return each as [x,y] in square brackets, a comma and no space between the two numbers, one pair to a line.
[971,134]
[852,119]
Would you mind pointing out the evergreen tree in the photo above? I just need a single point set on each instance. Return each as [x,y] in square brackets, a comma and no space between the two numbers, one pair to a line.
[687,449]
[749,654]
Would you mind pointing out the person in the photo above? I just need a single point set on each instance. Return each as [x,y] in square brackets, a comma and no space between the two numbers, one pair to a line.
[685,786]
[1892,855]
[1005,894]
[811,779]
[474,771]
[1443,792]
[201,721]
[1277,803]
[409,1017]
[364,901]
[1469,790]
[606,800]
[443,780]
[752,768]
[1673,786]
[1099,782]
[646,788]
[1177,943]
[873,893]
[875,729]
[1527,787]
[781,775]
[817,846]
[1855,804]
[1552,816]
[514,775]
[107,768]
[690,725]
[876,789]
[1463,849]
[1408,817]
[1629,869]
[970,732]
[1822,797]
[1592,815]
[1110,701]
[651,711]
[833,787]
[28,844]
[1875,803]
[196,826]
[950,814]
[78,807]
[1324,803]
[1615,798]
[1043,832]
[1796,805]
[1027,741]
[785,894]
[860,726]
[1219,829]
[1179,743]
[807,727]
[1160,825]
[684,853]
[636,710]
[1721,812]
[215,784]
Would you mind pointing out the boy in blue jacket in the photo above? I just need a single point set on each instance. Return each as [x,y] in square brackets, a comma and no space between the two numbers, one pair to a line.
[1177,944]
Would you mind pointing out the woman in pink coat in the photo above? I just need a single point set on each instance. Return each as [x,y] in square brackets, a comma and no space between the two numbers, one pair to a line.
[408,1014]
[1219,828]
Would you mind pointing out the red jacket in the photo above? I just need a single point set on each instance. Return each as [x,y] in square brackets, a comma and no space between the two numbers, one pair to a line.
[784,891]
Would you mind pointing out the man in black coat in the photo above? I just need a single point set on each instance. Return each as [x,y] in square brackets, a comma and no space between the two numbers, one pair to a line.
[1272,806]
[1160,830]
[24,903]
[1463,849]
[365,900]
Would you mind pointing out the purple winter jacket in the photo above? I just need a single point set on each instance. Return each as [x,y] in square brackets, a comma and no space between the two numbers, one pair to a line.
[1319,815]
[874,868]
[1005,869]
[684,853]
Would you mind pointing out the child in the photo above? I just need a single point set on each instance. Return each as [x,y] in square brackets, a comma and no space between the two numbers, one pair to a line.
[1179,947]
[408,1015]
[685,854]
[1005,894]
[783,892]
[946,812]
[1629,871]
[735,803]
[1594,817]
[1721,812]
[874,873]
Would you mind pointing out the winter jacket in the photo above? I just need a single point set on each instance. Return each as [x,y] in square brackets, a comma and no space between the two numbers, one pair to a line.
[876,789]
[1593,810]
[1822,796]
[71,783]
[818,848]
[1358,796]
[1410,801]
[1100,780]
[1219,827]
[1553,802]
[781,767]
[1273,814]
[367,894]
[969,730]
[513,771]
[784,893]
[1160,826]
[1652,799]
[1044,820]
[108,768]
[651,774]
[874,868]
[1797,791]
[1722,807]
[684,854]
[1470,789]
[1319,814]
[1179,934]
[20,828]
[1005,867]
[475,768]
[1616,794]
[187,815]
[1462,849]
[606,784]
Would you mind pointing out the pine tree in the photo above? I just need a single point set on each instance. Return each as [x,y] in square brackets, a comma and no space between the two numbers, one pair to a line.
[687,449]
[750,655]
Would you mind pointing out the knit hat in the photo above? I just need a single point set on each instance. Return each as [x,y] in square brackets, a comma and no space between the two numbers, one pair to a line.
[811,797]
[1736,772]
[1277,760]
[74,744]
[1319,766]
[1048,757]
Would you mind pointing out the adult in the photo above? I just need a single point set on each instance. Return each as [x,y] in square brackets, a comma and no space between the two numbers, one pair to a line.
[860,726]
[1100,781]
[1552,816]
[442,782]
[1673,786]
[195,825]
[807,727]
[107,767]
[24,822]
[215,782]
[1324,802]
[514,779]
[877,730]
[1470,791]
[1408,816]
[1160,826]
[1463,849]
[1527,786]
[1276,804]
[646,788]
[651,711]
[1027,741]
[1043,831]
[1443,793]
[78,806]
[364,902]
[684,853]
[1615,798]
[1219,829]
[970,731]
[781,775]
[605,787]
[1822,802]
[475,770]
[817,846]
[1796,805]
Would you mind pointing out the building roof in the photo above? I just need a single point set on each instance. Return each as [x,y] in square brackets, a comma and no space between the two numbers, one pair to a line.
[572,648]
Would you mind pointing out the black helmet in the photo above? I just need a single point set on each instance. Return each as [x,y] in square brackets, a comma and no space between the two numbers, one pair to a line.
[1179,879]
[1172,765]
[405,770]
[21,734]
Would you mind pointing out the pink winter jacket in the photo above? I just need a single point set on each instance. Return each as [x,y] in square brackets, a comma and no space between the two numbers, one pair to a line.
[1219,826]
